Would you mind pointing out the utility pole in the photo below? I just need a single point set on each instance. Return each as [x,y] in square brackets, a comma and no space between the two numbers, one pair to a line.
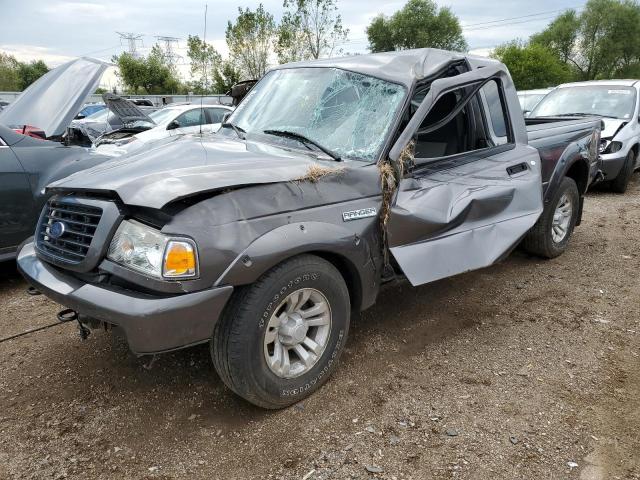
[133,40]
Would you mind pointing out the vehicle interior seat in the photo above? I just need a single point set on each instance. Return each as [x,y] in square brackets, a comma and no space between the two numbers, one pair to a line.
[447,140]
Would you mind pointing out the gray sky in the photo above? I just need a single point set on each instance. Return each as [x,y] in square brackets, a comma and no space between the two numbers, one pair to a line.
[56,31]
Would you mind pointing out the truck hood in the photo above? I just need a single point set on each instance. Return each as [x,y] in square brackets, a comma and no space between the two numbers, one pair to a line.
[51,102]
[612,126]
[189,165]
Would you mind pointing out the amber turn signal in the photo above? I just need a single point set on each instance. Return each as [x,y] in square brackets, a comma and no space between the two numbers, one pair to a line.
[179,260]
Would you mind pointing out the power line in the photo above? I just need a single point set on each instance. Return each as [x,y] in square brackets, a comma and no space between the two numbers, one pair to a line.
[522,16]
[489,27]
[492,24]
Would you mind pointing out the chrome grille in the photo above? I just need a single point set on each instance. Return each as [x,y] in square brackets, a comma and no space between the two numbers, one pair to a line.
[66,230]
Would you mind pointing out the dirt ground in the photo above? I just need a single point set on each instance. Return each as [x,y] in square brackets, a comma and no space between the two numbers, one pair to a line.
[526,370]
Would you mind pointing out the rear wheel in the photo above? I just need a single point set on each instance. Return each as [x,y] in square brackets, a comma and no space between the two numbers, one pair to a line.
[620,183]
[550,235]
[280,338]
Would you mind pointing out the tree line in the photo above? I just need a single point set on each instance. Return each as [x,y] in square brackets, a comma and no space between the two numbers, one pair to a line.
[16,76]
[601,42]
[309,29]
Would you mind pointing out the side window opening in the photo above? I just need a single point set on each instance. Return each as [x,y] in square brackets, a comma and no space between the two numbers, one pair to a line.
[191,118]
[215,115]
[495,107]
[478,125]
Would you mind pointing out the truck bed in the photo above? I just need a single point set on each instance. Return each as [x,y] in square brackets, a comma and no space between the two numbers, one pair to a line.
[552,135]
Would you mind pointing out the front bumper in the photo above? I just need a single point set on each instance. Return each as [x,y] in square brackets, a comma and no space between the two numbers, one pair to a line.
[151,324]
[612,164]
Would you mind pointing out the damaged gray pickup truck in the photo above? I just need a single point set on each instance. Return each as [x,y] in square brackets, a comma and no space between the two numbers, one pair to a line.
[331,178]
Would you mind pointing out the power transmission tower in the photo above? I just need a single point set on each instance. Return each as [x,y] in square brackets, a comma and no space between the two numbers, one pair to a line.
[133,41]
[169,52]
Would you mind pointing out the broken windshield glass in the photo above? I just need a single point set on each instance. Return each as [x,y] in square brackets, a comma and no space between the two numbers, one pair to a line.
[349,114]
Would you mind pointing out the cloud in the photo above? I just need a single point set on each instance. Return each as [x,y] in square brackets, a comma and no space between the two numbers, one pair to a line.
[27,53]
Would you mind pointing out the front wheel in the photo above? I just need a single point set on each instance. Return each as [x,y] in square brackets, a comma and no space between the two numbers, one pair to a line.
[620,183]
[280,338]
[550,235]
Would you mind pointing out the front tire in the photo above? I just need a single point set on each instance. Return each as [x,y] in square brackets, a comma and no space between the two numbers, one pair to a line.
[620,183]
[280,338]
[550,235]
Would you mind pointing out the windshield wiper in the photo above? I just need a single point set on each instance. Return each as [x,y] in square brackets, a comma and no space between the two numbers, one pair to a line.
[239,130]
[305,140]
[578,114]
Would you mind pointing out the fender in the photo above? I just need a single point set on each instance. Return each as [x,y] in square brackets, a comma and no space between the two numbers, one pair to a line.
[293,239]
[577,151]
[574,162]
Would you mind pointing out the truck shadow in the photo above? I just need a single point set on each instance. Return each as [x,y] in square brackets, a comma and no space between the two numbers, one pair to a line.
[9,273]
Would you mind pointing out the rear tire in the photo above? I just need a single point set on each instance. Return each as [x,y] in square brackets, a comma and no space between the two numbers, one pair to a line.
[262,325]
[620,183]
[550,235]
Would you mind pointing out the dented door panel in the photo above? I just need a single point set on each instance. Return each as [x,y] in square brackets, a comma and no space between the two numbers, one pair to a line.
[445,222]
[464,211]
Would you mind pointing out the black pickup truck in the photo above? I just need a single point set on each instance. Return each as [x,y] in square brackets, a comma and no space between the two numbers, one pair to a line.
[330,178]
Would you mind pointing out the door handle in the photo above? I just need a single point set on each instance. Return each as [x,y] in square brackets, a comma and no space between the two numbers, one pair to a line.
[515,169]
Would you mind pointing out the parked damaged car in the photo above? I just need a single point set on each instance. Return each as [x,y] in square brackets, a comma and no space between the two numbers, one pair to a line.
[120,113]
[28,162]
[617,102]
[160,127]
[49,104]
[331,178]
[530,98]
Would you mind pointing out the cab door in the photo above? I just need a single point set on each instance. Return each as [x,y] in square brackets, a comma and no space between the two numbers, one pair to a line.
[17,208]
[473,188]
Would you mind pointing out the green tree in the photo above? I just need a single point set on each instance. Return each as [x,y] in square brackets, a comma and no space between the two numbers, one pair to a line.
[601,42]
[9,78]
[419,24]
[225,76]
[532,65]
[309,29]
[152,73]
[205,60]
[560,36]
[250,40]
[30,72]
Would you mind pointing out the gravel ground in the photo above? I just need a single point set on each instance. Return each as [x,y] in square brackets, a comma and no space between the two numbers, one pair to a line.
[529,369]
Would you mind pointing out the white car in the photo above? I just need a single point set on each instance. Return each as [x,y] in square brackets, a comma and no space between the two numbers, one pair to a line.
[168,122]
[617,103]
[530,98]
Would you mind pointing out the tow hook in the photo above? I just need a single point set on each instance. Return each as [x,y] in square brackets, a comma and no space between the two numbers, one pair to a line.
[33,291]
[69,315]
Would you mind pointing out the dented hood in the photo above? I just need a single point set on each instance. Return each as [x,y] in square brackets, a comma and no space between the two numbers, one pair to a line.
[51,102]
[612,126]
[188,165]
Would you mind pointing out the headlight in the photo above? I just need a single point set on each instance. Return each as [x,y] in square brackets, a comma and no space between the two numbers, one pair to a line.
[148,251]
[607,146]
[604,144]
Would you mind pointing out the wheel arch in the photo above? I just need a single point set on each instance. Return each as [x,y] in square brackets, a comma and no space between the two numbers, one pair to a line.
[346,251]
[579,172]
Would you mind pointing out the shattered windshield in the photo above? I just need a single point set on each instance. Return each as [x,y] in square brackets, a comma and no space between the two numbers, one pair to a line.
[346,113]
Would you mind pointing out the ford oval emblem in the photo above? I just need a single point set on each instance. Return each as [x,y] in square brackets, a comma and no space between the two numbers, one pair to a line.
[56,230]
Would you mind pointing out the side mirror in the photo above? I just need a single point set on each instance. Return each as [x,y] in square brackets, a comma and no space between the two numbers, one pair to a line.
[173,125]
